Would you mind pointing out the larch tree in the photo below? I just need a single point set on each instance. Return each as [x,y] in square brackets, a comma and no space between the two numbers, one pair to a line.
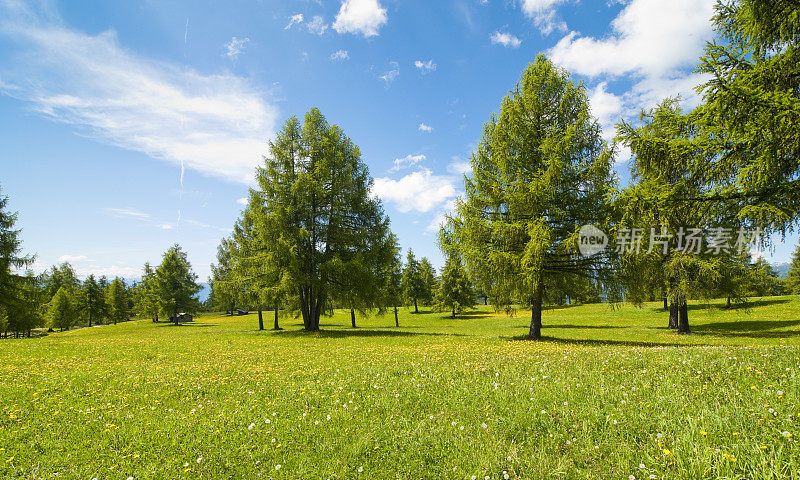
[792,280]
[62,312]
[117,299]
[176,284]
[429,280]
[318,225]
[455,292]
[539,173]
[145,295]
[92,300]
[413,281]
[12,260]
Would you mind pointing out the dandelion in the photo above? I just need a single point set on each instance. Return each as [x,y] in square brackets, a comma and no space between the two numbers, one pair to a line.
[703,433]
[278,466]
[641,465]
[360,469]
[267,421]
[787,434]
[329,417]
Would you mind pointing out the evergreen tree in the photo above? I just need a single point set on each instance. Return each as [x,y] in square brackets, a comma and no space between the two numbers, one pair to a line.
[764,280]
[393,286]
[792,280]
[59,276]
[540,172]
[145,295]
[176,284]
[455,291]
[27,309]
[413,281]
[11,258]
[118,301]
[92,299]
[429,280]
[62,312]
[318,228]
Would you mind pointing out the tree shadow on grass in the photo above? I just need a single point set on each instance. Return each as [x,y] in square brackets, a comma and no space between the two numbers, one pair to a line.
[588,327]
[596,342]
[360,332]
[749,328]
[192,324]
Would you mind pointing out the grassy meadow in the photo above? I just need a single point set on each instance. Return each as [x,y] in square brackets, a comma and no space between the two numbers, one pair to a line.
[607,394]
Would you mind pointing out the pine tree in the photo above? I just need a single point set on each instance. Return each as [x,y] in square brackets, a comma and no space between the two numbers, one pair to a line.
[62,312]
[118,301]
[145,296]
[455,291]
[540,172]
[429,280]
[11,258]
[176,284]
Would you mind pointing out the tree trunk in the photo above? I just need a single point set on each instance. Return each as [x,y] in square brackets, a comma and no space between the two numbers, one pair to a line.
[666,305]
[29,333]
[416,310]
[683,317]
[485,300]
[90,320]
[535,332]
[352,318]
[728,303]
[260,320]
[276,327]
[673,315]
[454,312]
[396,321]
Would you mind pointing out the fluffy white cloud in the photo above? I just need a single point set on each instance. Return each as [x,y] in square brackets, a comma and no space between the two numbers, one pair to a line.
[420,191]
[234,48]
[425,67]
[216,124]
[242,201]
[653,44]
[505,39]
[406,162]
[363,17]
[543,13]
[425,128]
[340,55]
[294,20]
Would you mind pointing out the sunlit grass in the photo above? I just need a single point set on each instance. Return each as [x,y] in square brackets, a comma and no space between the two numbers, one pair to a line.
[607,394]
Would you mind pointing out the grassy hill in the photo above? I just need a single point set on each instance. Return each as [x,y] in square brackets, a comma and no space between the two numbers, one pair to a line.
[608,394]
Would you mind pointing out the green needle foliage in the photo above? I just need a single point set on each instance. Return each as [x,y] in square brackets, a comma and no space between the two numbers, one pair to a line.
[145,295]
[414,286]
[455,291]
[62,312]
[540,172]
[12,285]
[92,300]
[118,301]
[793,276]
[176,284]
[312,230]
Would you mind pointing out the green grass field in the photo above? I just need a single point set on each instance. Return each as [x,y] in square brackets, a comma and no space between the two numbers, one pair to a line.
[608,394]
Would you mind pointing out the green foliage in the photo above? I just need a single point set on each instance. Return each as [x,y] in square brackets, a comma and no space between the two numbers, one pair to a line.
[176,284]
[792,280]
[429,281]
[11,259]
[145,295]
[60,276]
[764,280]
[93,302]
[751,110]
[312,230]
[62,312]
[413,281]
[455,291]
[540,172]
[118,301]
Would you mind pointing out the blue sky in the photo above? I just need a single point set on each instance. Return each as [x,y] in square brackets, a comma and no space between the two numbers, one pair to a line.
[130,126]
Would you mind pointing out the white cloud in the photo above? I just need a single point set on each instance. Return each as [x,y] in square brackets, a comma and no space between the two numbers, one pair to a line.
[74,258]
[420,191]
[317,25]
[425,67]
[216,124]
[653,44]
[235,47]
[127,213]
[391,75]
[340,55]
[242,201]
[440,217]
[363,17]
[505,39]
[406,162]
[459,167]
[110,271]
[543,13]
[294,20]
[425,128]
